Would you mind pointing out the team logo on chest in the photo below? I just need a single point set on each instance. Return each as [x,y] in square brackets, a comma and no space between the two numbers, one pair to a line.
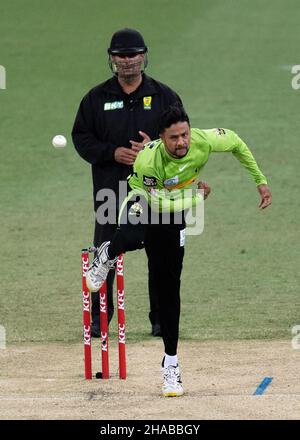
[149,181]
[147,102]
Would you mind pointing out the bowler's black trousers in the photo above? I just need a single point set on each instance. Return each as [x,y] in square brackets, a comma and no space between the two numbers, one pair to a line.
[105,233]
[165,249]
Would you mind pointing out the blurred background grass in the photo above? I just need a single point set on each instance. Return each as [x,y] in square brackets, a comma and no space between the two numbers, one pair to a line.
[230,60]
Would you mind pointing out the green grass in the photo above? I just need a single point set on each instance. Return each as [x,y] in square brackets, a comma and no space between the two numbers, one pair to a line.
[225,58]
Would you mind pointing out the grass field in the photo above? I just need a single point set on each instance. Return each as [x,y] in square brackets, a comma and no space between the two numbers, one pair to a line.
[229,60]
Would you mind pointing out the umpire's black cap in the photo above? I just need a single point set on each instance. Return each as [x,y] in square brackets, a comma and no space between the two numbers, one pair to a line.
[127,41]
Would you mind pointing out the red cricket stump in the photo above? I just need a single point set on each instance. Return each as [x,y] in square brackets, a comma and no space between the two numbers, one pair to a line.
[86,298]
[121,317]
[86,316]
[104,332]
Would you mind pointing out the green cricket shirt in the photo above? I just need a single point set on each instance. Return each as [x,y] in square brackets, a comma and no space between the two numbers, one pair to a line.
[169,183]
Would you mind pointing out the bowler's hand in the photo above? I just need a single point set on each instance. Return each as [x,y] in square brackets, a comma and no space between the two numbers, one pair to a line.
[137,146]
[265,195]
[125,155]
[206,189]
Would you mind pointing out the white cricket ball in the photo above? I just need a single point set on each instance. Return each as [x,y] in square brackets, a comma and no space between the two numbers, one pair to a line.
[59,141]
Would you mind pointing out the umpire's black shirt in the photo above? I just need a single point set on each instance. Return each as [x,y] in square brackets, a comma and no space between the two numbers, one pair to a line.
[108,118]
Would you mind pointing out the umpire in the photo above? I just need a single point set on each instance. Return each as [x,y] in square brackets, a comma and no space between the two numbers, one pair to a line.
[114,121]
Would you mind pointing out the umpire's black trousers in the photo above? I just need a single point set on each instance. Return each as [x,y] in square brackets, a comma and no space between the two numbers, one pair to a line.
[165,250]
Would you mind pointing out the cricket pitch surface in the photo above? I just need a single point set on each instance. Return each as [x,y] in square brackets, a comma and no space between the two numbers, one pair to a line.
[219,379]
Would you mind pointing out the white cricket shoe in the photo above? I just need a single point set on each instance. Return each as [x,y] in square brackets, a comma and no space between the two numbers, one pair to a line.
[172,386]
[98,271]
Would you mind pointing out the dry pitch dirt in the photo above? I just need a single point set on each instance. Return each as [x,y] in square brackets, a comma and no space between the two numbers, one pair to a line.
[46,382]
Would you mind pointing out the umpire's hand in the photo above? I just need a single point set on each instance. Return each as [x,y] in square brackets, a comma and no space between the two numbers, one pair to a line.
[138,146]
[125,155]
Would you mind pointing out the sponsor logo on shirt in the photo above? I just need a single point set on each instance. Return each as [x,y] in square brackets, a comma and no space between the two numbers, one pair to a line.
[136,209]
[172,181]
[182,184]
[220,131]
[147,102]
[149,181]
[113,105]
[182,168]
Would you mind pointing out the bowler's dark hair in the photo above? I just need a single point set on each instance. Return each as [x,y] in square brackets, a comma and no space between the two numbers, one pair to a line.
[172,115]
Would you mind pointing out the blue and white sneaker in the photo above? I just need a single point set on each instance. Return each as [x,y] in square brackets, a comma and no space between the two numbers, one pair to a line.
[98,271]
[172,386]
